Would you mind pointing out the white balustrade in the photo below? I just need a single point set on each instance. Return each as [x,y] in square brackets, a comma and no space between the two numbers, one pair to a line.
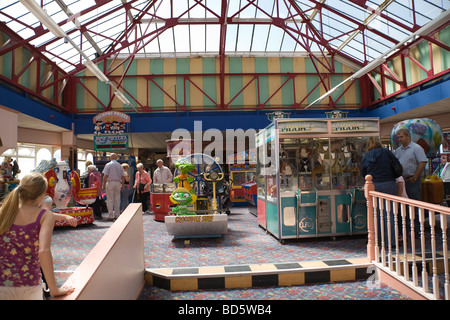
[413,247]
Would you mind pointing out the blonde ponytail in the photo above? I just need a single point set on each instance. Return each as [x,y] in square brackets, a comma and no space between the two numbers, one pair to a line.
[9,210]
[31,187]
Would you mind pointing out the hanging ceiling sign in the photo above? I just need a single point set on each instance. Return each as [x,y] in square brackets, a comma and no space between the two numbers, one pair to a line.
[110,131]
[111,122]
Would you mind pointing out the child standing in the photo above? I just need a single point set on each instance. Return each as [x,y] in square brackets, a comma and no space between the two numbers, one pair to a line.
[25,242]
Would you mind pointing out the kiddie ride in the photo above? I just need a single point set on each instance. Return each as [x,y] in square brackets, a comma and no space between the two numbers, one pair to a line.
[191,218]
[64,183]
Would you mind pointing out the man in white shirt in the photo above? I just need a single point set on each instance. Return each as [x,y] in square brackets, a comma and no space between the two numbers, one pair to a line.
[162,174]
[413,159]
[113,180]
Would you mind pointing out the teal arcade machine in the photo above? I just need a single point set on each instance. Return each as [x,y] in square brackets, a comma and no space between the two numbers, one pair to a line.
[308,176]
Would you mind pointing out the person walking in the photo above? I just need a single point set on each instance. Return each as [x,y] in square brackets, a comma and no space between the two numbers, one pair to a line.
[162,174]
[413,159]
[84,178]
[142,184]
[113,180]
[25,243]
[125,192]
[94,176]
[377,162]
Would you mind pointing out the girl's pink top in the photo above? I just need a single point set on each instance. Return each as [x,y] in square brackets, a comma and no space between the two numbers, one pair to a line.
[19,255]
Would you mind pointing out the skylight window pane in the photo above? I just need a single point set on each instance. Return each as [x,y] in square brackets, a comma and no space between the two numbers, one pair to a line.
[212,38]
[233,6]
[182,38]
[42,39]
[244,38]
[213,6]
[259,38]
[267,7]
[288,44]
[180,8]
[166,41]
[52,9]
[197,11]
[402,12]
[348,9]
[80,5]
[231,37]
[11,10]
[274,40]
[197,38]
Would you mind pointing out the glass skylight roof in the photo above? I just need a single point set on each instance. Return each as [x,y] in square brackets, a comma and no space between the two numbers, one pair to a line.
[359,30]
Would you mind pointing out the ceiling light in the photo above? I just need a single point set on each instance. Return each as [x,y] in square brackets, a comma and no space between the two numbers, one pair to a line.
[434,24]
[122,97]
[43,17]
[96,71]
[375,63]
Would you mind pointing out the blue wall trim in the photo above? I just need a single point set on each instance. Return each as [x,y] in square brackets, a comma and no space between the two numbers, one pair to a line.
[168,122]
[422,96]
[24,103]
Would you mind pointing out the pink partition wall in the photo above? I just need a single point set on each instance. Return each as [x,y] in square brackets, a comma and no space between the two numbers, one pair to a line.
[114,269]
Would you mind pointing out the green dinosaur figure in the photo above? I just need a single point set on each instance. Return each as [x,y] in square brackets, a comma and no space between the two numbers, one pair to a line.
[184,180]
[183,198]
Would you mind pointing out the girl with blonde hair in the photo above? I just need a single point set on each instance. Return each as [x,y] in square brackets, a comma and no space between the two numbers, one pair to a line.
[25,242]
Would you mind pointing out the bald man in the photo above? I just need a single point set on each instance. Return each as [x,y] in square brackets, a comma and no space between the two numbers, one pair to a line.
[413,159]
[113,181]
[162,174]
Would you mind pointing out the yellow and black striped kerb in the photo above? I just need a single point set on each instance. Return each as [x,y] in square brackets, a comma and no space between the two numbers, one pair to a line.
[258,275]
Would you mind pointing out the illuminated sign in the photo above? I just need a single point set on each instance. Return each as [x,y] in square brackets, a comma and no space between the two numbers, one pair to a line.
[346,126]
[111,142]
[303,126]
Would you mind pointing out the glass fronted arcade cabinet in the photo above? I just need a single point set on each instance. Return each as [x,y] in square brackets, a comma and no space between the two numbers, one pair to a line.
[308,176]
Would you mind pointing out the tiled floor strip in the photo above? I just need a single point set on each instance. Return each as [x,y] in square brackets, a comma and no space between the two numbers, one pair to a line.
[258,275]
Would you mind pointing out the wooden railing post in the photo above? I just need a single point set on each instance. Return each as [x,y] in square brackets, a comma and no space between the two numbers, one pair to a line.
[368,186]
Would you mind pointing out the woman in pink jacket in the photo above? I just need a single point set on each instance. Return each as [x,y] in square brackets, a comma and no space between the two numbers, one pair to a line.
[142,184]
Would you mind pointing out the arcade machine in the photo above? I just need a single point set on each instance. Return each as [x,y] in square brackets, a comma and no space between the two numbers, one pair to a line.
[64,183]
[242,169]
[160,192]
[251,196]
[308,179]
[249,187]
[187,220]
[160,199]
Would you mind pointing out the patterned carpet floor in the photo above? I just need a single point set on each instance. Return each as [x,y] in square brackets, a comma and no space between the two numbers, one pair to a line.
[245,243]
[358,290]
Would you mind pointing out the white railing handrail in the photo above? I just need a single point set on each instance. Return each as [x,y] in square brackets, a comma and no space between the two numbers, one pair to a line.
[415,203]
[386,252]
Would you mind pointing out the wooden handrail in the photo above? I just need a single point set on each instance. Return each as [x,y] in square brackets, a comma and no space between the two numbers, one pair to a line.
[378,252]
